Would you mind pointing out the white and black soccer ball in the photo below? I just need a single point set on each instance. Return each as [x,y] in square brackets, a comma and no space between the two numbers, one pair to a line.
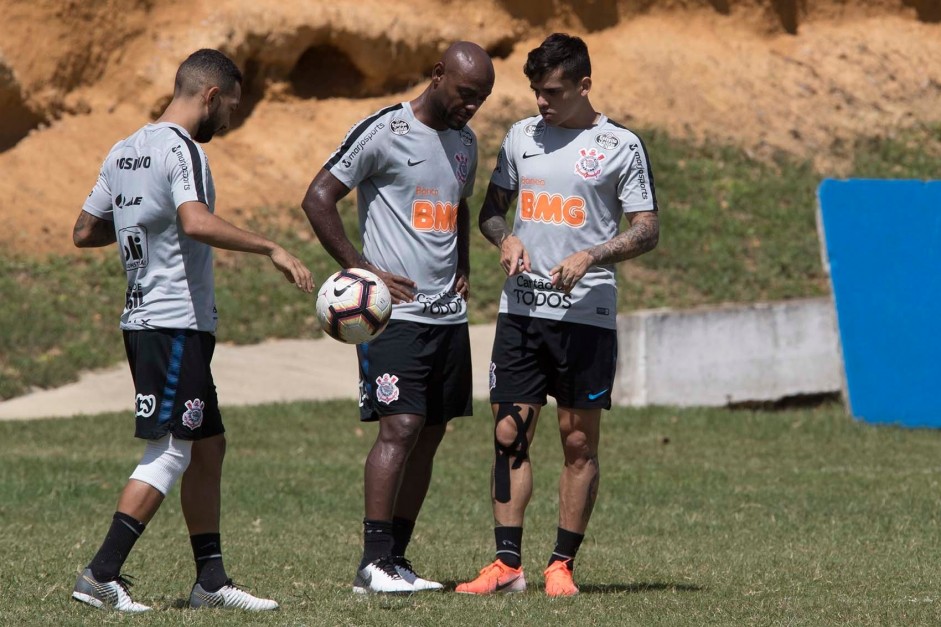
[354,306]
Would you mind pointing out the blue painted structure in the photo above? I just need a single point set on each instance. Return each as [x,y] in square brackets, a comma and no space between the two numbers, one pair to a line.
[882,241]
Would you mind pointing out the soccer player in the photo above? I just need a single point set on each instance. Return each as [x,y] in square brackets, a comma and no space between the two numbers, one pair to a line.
[155,197]
[576,174]
[413,165]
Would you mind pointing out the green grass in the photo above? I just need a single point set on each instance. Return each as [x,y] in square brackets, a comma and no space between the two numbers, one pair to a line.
[733,229]
[705,516]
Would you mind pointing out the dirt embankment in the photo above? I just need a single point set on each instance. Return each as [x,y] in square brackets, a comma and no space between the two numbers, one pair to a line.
[767,75]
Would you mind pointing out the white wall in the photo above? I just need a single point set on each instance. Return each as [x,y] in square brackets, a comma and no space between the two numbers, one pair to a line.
[728,354]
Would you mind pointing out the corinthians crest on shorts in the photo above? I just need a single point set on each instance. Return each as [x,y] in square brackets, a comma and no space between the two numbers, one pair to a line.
[387,390]
[193,416]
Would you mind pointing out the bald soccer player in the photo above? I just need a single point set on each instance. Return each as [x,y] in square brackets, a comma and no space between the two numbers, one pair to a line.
[413,166]
[155,198]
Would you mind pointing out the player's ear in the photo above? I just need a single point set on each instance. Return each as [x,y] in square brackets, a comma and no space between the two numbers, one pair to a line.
[584,86]
[437,73]
[212,96]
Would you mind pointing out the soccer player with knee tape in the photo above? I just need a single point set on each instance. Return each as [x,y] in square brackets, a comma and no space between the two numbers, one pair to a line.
[577,174]
[155,198]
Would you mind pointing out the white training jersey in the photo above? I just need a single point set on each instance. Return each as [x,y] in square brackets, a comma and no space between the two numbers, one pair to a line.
[574,187]
[142,183]
[410,179]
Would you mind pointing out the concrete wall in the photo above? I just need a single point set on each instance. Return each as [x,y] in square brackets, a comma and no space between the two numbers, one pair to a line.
[728,354]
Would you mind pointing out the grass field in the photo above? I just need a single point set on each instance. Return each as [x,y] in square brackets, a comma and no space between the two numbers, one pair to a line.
[706,517]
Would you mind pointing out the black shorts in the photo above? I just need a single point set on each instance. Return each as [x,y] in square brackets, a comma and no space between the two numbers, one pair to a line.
[175,391]
[416,368]
[533,357]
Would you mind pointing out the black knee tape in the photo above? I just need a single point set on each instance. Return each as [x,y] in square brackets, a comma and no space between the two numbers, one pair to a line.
[519,449]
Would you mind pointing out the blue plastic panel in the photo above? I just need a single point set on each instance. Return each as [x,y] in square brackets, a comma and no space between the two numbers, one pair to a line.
[883,243]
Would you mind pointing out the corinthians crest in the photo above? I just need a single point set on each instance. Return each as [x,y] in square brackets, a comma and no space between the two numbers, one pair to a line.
[193,417]
[461,170]
[387,391]
[589,164]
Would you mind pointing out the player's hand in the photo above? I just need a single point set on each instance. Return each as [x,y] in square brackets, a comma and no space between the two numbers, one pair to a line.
[401,289]
[292,268]
[513,256]
[570,271]
[462,285]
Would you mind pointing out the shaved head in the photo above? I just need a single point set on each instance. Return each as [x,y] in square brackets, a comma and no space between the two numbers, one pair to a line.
[460,83]
[469,59]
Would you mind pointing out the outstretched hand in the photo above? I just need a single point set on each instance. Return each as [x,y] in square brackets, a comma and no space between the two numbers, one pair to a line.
[292,268]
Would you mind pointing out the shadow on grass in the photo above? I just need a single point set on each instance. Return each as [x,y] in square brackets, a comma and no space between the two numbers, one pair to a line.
[608,588]
[611,588]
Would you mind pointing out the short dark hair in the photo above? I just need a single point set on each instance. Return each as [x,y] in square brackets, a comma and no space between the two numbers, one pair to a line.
[559,50]
[206,67]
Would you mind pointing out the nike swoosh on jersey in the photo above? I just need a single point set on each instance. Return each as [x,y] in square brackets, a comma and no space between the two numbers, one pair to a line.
[593,397]
[414,163]
[526,155]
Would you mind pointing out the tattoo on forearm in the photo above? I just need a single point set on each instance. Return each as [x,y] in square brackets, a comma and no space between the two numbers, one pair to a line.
[493,215]
[92,232]
[495,229]
[641,237]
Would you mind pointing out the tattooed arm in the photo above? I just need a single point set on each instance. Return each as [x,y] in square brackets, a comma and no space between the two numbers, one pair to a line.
[92,232]
[492,221]
[642,236]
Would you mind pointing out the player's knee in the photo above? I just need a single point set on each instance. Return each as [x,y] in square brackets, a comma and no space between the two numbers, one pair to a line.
[164,461]
[578,450]
[403,430]
[505,432]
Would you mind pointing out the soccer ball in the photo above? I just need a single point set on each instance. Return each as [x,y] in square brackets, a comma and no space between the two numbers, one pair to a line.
[354,306]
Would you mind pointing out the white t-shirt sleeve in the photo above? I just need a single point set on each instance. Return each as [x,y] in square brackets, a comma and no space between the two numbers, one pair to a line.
[98,202]
[635,186]
[504,174]
[360,154]
[185,163]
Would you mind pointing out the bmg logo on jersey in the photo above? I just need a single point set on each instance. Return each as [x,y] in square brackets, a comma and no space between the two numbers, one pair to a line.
[133,242]
[552,208]
[434,215]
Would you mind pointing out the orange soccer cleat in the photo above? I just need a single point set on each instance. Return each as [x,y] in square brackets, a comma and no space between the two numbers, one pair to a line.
[495,577]
[559,582]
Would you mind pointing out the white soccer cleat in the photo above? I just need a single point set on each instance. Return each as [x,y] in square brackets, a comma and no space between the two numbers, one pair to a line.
[382,577]
[106,594]
[406,572]
[230,596]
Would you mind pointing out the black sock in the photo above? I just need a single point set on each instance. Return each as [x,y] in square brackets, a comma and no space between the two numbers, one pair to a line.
[566,547]
[124,532]
[509,545]
[377,540]
[207,551]
[402,529]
